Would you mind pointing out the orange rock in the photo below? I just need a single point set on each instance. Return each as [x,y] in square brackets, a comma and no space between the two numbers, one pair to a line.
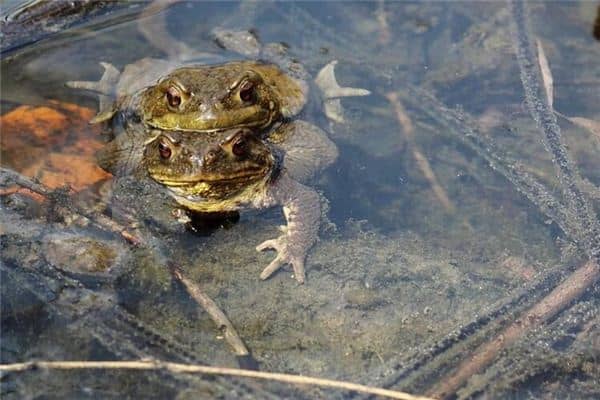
[52,143]
[84,146]
[83,113]
[58,170]
[44,124]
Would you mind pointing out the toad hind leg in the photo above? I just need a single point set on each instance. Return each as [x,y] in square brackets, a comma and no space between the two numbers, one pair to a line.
[302,210]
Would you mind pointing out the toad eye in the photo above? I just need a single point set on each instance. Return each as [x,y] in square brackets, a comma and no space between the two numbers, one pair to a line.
[239,147]
[164,150]
[173,97]
[247,92]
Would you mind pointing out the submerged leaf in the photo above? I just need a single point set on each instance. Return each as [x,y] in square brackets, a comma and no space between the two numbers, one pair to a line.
[546,73]
[548,81]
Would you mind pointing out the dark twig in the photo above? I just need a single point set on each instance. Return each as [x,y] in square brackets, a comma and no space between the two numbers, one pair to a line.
[9,176]
[545,118]
[213,310]
[576,219]
[461,126]
[581,230]
[563,295]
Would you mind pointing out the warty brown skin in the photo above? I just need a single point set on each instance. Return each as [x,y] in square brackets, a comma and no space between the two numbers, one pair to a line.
[216,175]
[213,172]
[212,97]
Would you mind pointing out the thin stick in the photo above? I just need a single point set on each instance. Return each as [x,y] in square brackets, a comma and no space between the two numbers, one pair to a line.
[422,163]
[461,126]
[202,369]
[543,114]
[10,176]
[213,310]
[565,293]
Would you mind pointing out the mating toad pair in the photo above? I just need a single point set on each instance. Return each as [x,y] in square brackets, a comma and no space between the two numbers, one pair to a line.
[223,137]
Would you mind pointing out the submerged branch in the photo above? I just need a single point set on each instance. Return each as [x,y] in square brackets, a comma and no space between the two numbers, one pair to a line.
[563,295]
[207,370]
[9,176]
[459,124]
[545,118]
[502,311]
[575,219]
[422,162]
[213,310]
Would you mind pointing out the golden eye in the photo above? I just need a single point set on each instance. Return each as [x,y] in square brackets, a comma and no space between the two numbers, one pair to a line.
[164,150]
[247,92]
[173,97]
[239,147]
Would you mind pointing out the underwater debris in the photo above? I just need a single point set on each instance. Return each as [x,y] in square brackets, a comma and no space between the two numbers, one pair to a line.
[588,232]
[582,230]
[70,211]
[422,163]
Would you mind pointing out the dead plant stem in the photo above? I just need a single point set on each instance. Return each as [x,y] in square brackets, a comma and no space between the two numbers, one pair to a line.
[564,294]
[8,175]
[213,310]
[422,162]
[208,370]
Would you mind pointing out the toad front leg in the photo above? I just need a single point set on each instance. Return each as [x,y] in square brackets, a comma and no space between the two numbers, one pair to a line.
[302,210]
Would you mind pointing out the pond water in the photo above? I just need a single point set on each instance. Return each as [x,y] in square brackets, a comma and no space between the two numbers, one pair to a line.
[448,215]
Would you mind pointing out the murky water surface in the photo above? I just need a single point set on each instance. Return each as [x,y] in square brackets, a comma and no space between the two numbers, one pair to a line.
[435,239]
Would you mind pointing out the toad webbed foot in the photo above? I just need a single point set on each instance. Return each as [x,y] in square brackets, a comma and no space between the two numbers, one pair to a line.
[302,210]
[286,254]
[332,92]
[104,88]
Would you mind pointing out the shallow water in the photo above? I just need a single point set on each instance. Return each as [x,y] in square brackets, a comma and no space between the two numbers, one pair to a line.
[413,255]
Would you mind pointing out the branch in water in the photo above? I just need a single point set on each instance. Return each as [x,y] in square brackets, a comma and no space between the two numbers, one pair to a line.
[563,295]
[459,124]
[202,369]
[9,176]
[215,313]
[422,162]
[541,110]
